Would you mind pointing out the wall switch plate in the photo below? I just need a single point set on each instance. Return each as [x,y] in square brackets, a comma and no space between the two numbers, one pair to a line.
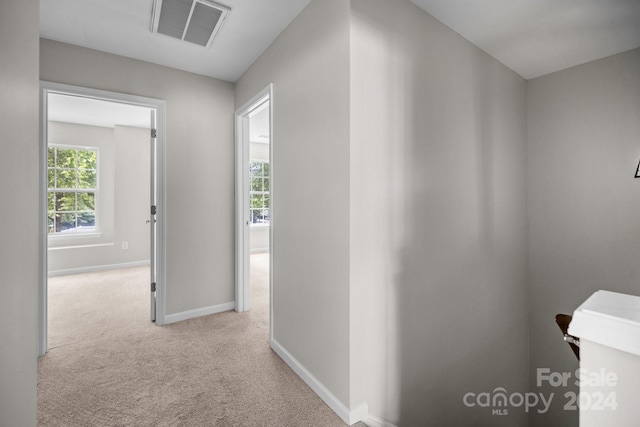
[125,245]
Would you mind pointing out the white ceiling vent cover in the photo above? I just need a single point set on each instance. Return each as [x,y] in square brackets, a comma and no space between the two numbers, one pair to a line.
[195,21]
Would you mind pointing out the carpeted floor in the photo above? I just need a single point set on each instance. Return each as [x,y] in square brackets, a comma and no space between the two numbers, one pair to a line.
[108,365]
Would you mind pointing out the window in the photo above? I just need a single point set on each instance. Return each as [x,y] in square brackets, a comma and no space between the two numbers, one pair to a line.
[259,197]
[72,189]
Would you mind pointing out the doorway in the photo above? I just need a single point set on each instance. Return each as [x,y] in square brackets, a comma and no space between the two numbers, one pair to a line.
[83,227]
[254,196]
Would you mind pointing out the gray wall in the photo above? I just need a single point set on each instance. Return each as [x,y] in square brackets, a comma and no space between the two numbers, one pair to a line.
[123,199]
[309,67]
[436,214]
[426,268]
[19,234]
[438,221]
[584,232]
[199,164]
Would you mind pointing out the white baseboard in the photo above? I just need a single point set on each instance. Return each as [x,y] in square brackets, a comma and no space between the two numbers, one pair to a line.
[376,422]
[204,311]
[359,413]
[96,268]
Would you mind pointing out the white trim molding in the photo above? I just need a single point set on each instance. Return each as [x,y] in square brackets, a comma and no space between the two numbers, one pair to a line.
[97,268]
[375,422]
[259,251]
[242,226]
[159,105]
[349,416]
[204,311]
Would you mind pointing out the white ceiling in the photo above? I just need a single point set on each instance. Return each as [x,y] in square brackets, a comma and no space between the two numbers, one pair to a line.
[538,37]
[123,27]
[532,37]
[259,124]
[94,112]
[98,112]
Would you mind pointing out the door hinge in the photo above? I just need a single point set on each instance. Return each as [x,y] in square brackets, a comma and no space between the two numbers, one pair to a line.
[153,210]
[154,133]
[153,287]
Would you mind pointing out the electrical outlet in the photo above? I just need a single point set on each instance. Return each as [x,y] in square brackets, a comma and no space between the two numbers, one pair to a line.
[125,245]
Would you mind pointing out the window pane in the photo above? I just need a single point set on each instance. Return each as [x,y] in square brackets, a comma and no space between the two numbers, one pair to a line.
[255,169]
[50,222]
[86,178]
[51,157]
[70,169]
[87,159]
[66,178]
[65,221]
[256,200]
[51,178]
[86,220]
[259,216]
[65,202]
[86,201]
[254,215]
[256,184]
[259,197]
[263,216]
[66,158]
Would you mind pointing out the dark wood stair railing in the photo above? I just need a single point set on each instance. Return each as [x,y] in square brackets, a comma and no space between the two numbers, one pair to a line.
[563,321]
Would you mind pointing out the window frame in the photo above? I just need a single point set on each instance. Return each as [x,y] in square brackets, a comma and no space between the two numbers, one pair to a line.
[95,232]
[261,192]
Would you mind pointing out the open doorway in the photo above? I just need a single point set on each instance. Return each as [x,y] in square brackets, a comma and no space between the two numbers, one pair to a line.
[254,199]
[102,157]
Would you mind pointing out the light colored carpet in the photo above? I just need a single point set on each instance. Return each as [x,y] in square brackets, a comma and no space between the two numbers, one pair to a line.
[108,365]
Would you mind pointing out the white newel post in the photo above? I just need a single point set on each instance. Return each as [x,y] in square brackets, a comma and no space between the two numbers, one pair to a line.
[608,325]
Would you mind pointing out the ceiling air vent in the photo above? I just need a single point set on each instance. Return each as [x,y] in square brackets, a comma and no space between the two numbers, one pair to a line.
[195,21]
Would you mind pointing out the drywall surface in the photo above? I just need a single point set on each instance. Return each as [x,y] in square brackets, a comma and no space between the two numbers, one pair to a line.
[19,192]
[584,233]
[259,239]
[199,164]
[259,151]
[308,65]
[438,222]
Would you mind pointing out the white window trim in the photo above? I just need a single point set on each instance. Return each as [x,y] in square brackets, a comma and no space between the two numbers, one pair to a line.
[258,224]
[96,233]
[76,235]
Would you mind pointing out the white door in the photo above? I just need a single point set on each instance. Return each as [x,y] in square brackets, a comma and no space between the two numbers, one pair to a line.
[242,218]
[243,205]
[152,215]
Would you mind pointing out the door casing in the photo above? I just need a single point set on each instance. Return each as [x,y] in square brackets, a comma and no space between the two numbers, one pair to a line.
[159,105]
[242,302]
